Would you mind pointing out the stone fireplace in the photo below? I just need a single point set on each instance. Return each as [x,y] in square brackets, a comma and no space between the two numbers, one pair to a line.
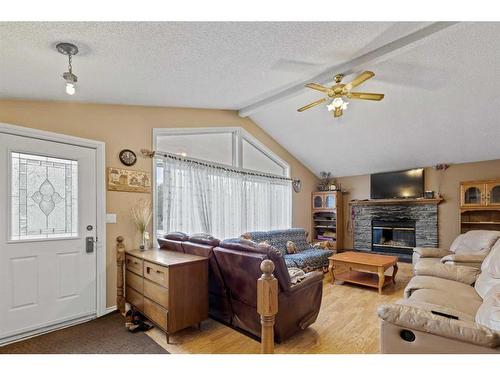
[395,227]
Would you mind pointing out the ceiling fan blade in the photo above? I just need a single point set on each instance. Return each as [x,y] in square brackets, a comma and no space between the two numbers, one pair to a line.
[315,86]
[310,105]
[359,80]
[365,96]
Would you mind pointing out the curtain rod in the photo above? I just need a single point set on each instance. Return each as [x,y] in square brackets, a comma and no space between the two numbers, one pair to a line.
[155,154]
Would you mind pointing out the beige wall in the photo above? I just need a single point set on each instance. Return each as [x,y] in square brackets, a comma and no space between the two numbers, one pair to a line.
[359,188]
[131,127]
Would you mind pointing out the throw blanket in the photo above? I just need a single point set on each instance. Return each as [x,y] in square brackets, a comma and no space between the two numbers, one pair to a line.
[296,275]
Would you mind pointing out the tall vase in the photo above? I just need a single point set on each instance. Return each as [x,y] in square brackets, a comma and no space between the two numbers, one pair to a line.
[142,246]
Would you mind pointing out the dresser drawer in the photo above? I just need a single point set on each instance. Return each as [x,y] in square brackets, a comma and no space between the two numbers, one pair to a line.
[156,313]
[156,293]
[134,298]
[156,273]
[133,264]
[134,281]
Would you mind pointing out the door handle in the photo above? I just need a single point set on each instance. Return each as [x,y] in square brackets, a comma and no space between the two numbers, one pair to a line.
[89,244]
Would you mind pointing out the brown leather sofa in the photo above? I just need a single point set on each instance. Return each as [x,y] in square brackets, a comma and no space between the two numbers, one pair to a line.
[203,245]
[234,267]
[299,304]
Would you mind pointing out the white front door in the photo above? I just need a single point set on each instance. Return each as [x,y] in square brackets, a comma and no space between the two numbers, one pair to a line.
[47,228]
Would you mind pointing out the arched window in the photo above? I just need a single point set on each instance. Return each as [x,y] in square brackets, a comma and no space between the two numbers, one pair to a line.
[193,199]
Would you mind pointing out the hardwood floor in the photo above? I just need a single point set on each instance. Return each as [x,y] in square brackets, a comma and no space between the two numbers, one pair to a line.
[347,323]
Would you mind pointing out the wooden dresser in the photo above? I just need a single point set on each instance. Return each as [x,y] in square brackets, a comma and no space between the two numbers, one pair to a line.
[169,288]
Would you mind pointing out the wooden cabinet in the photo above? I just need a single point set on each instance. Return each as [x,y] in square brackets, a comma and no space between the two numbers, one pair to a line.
[169,288]
[327,218]
[480,205]
[480,193]
[493,193]
[324,201]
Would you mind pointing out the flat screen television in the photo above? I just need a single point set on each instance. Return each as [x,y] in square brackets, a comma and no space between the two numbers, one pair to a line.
[400,184]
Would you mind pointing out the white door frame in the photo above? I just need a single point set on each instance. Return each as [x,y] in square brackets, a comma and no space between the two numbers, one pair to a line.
[100,194]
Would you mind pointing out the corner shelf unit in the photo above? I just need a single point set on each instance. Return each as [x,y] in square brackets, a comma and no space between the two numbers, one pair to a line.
[480,205]
[327,217]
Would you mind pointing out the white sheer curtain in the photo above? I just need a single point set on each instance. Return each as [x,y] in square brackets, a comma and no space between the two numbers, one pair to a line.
[195,198]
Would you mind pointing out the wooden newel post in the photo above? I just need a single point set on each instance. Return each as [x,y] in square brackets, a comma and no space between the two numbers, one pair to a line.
[267,305]
[120,260]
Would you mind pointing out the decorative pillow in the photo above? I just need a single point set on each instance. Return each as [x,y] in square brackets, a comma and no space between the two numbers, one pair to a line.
[296,275]
[325,245]
[246,236]
[290,247]
[264,243]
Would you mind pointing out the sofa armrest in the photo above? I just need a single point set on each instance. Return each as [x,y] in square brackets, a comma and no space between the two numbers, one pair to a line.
[312,278]
[471,260]
[425,321]
[462,274]
[431,252]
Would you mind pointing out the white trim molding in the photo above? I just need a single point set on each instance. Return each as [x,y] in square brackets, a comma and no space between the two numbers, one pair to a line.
[100,168]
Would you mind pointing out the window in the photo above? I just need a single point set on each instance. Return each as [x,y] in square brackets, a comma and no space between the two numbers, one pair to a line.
[43,194]
[253,158]
[215,197]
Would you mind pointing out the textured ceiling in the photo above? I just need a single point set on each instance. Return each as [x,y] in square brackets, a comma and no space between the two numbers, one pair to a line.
[441,101]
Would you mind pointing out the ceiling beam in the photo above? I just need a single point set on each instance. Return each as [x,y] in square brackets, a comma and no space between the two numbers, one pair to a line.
[349,67]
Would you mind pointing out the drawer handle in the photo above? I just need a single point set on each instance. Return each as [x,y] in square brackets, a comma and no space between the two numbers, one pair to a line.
[158,271]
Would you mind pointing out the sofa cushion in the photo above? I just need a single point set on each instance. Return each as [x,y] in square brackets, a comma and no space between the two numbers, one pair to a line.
[465,303]
[243,244]
[311,258]
[463,274]
[204,239]
[177,236]
[436,283]
[488,313]
[475,241]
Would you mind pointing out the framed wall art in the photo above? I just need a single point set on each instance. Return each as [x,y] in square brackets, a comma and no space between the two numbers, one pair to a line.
[128,180]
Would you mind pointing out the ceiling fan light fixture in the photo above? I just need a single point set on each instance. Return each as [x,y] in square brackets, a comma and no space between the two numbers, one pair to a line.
[339,92]
[337,103]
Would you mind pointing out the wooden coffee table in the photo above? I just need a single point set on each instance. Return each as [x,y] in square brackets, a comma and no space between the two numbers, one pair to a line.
[364,269]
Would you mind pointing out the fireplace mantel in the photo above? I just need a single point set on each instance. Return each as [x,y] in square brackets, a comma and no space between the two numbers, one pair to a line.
[385,202]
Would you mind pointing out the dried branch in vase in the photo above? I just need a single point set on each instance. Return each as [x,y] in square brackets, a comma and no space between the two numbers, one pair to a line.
[141,213]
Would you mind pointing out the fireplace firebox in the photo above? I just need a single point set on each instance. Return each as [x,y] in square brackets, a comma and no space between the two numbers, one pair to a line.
[393,237]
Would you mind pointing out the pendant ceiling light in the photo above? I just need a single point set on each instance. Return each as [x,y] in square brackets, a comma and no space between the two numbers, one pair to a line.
[69,50]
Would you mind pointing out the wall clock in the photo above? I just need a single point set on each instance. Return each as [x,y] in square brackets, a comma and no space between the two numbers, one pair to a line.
[128,157]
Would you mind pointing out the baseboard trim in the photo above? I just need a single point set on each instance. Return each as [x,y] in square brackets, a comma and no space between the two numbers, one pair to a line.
[110,309]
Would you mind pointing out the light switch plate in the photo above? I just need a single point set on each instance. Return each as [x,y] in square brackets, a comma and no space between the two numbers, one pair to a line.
[110,218]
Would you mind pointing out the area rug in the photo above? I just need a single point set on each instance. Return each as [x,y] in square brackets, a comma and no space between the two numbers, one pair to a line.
[105,335]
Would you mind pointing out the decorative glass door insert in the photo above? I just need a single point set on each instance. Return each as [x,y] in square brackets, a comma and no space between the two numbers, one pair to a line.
[43,197]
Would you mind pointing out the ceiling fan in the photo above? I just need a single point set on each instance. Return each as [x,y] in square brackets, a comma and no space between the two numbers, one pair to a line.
[339,92]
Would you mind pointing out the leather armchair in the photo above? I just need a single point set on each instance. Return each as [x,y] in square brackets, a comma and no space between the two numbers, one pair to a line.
[299,304]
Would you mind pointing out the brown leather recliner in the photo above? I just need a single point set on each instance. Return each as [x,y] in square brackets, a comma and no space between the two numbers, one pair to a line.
[299,304]
[173,241]
[219,305]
